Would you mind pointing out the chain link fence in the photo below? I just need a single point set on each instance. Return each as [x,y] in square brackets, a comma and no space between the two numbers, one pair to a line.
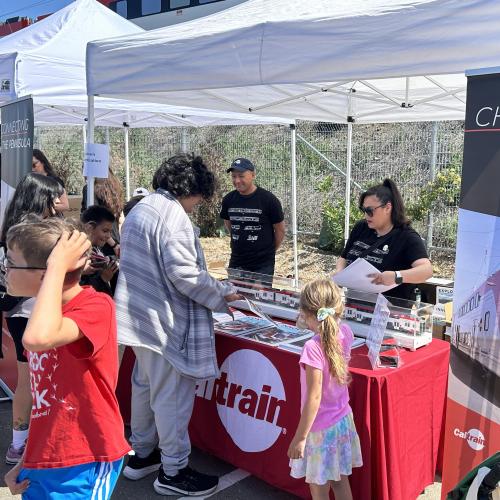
[420,157]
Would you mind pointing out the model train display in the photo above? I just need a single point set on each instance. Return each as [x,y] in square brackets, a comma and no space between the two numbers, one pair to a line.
[407,319]
[475,329]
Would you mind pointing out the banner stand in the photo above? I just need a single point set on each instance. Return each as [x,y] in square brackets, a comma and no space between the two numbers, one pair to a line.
[17,135]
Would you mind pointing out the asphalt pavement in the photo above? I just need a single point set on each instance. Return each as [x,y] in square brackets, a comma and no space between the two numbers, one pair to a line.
[234,484]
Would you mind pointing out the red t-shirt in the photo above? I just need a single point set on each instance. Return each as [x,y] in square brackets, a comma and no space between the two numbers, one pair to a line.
[75,417]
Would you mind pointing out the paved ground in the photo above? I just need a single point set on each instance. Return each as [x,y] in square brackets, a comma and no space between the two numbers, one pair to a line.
[235,484]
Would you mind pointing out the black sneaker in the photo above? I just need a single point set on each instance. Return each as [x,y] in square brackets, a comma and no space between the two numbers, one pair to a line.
[186,482]
[137,467]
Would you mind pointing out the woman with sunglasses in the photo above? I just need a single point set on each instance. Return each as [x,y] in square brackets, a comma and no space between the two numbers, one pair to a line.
[386,239]
[36,194]
[41,165]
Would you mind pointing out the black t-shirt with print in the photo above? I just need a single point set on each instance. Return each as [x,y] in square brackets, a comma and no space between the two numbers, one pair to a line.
[398,252]
[252,233]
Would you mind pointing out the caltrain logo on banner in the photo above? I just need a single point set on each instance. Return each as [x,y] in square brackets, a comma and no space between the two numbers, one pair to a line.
[473,412]
[250,399]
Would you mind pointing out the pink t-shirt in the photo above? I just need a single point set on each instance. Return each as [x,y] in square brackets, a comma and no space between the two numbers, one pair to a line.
[334,397]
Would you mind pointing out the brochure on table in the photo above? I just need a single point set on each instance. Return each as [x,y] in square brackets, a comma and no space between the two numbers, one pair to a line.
[375,337]
[262,328]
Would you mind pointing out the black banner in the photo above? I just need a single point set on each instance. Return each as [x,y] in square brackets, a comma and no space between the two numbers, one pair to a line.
[481,168]
[17,140]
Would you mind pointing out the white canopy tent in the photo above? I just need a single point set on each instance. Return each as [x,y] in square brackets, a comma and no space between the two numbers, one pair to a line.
[343,61]
[47,62]
[392,60]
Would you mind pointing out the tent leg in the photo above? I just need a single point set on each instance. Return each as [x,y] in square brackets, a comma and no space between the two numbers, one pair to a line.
[293,152]
[184,140]
[430,219]
[348,182]
[90,140]
[127,160]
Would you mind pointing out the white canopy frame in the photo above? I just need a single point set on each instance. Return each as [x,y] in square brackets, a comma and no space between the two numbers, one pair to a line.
[348,61]
[293,153]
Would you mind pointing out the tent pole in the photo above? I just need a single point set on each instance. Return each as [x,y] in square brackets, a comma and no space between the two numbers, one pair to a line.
[293,152]
[184,140]
[350,121]
[430,219]
[90,140]
[127,160]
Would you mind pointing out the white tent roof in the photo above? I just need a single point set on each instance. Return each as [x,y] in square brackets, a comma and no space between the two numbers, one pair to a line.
[405,59]
[47,61]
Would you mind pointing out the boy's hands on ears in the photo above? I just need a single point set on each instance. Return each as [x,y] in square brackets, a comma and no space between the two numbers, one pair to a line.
[70,252]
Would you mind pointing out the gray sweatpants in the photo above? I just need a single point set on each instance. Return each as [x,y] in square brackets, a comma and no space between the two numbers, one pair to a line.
[162,404]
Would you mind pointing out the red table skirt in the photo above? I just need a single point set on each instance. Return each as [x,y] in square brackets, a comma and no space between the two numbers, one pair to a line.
[249,415]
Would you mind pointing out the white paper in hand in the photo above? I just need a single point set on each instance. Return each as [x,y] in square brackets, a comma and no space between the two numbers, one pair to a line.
[355,276]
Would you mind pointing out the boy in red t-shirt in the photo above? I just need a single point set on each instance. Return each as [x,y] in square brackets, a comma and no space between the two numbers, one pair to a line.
[76,442]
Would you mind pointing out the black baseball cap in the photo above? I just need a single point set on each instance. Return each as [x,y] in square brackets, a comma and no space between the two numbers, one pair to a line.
[240,165]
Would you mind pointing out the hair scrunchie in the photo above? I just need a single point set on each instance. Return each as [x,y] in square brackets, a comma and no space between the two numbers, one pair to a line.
[324,312]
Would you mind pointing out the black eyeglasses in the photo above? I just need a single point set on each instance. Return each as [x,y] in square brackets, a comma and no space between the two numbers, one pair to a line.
[369,210]
[5,264]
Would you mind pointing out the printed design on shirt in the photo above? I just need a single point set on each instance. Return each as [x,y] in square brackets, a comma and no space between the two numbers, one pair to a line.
[245,219]
[44,388]
[257,211]
[376,255]
[250,219]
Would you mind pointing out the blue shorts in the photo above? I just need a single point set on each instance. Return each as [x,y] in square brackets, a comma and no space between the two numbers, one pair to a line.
[93,481]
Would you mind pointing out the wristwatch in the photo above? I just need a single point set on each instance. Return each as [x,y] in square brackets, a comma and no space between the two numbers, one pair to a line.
[399,278]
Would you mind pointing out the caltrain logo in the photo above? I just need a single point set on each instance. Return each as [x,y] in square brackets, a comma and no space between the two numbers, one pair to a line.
[250,399]
[474,438]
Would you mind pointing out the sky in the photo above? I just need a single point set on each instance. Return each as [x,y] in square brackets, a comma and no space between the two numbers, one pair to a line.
[29,8]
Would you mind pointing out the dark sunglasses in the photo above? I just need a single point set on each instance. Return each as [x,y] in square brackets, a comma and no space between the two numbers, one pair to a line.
[369,210]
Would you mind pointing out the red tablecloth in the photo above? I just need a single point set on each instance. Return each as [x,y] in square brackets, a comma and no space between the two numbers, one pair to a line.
[399,416]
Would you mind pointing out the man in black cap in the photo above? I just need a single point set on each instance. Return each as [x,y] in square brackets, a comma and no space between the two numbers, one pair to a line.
[254,219]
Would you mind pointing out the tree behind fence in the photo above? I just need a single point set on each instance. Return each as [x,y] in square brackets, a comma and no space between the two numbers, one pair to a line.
[423,158]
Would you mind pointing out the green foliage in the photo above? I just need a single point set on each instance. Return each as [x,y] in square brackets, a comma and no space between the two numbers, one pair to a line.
[443,191]
[206,216]
[331,237]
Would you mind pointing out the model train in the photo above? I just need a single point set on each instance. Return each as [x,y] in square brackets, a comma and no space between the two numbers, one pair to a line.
[475,329]
[276,296]
[399,320]
[402,320]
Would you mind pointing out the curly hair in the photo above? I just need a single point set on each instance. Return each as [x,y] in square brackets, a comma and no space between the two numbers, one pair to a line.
[185,175]
[109,193]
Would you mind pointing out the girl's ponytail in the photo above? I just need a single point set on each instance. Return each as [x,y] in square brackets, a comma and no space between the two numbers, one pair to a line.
[332,347]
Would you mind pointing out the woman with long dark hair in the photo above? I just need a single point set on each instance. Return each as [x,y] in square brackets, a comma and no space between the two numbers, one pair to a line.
[36,194]
[41,165]
[386,239]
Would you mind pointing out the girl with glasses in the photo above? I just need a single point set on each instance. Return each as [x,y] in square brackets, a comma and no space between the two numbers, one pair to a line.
[401,256]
